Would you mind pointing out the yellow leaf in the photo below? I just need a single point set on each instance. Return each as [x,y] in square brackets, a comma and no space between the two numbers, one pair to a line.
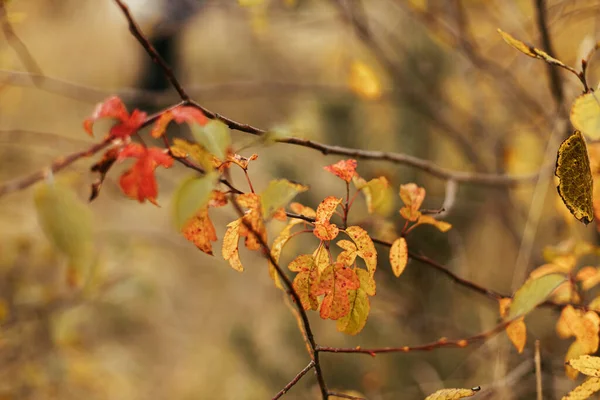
[182,148]
[587,365]
[200,231]
[378,194]
[585,390]
[585,115]
[589,277]
[576,183]
[277,248]
[303,210]
[363,81]
[347,256]
[412,196]
[428,219]
[574,351]
[306,281]
[453,394]
[327,208]
[278,194]
[530,50]
[353,322]
[230,245]
[585,328]
[322,258]
[365,247]
[399,256]
[595,304]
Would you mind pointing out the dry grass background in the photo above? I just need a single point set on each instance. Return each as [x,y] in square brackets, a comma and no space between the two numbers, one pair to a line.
[165,321]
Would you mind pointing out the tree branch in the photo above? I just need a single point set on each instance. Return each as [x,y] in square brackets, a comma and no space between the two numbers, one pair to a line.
[297,378]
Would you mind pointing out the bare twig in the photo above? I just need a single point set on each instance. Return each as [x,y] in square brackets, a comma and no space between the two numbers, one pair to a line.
[538,370]
[297,378]
[141,38]
[443,342]
[424,165]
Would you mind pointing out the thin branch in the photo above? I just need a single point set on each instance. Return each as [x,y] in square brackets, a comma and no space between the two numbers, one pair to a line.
[17,44]
[424,165]
[443,342]
[289,289]
[141,38]
[538,371]
[297,378]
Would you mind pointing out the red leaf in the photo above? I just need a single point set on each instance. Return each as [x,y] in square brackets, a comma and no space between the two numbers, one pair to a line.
[344,169]
[139,182]
[113,107]
[335,282]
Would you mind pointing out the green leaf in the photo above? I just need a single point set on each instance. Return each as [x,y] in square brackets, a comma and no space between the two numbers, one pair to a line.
[278,194]
[215,137]
[533,293]
[66,221]
[585,115]
[576,183]
[193,194]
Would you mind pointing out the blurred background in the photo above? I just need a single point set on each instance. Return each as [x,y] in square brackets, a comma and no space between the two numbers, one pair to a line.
[429,78]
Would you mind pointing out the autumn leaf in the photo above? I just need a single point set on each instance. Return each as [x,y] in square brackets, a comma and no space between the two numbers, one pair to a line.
[399,256]
[335,282]
[412,196]
[253,221]
[180,115]
[344,169]
[585,390]
[306,281]
[230,245]
[530,50]
[347,256]
[575,350]
[366,248]
[199,229]
[192,195]
[324,229]
[114,108]
[587,365]
[429,220]
[322,258]
[353,322]
[277,248]
[453,394]
[183,149]
[139,182]
[576,183]
[589,277]
[516,331]
[278,194]
[532,293]
[303,210]
[378,194]
[584,326]
[585,115]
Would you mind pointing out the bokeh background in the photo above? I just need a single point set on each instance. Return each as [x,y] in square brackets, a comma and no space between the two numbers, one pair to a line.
[165,321]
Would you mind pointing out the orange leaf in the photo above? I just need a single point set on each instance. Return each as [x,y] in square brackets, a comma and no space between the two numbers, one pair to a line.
[327,208]
[335,282]
[306,281]
[366,248]
[139,182]
[585,328]
[589,277]
[180,115]
[303,210]
[344,169]
[412,196]
[254,219]
[200,230]
[399,256]
[347,256]
[326,231]
[230,244]
[516,331]
[113,107]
